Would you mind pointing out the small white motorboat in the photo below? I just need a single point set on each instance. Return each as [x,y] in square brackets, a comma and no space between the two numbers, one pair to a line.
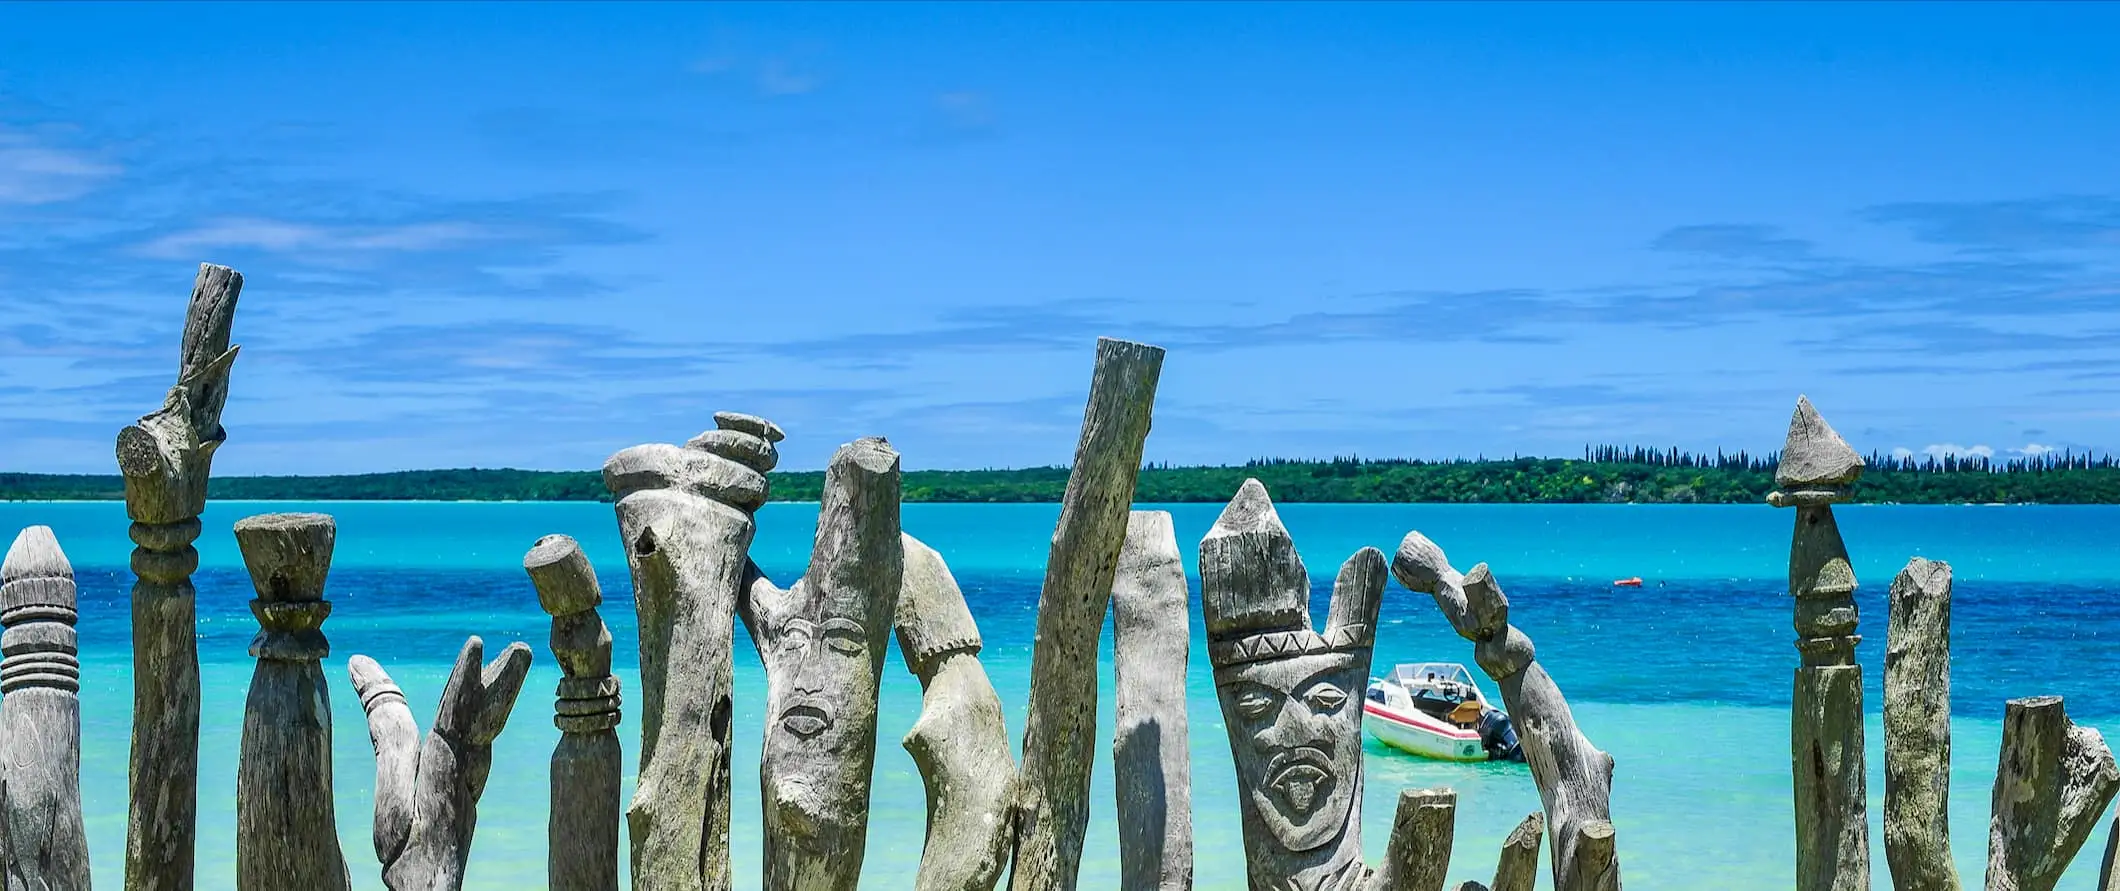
[1433,709]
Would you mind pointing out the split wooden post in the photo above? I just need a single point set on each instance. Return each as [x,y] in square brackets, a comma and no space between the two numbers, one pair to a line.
[1517,869]
[45,846]
[1060,730]
[1574,778]
[1418,857]
[582,829]
[1826,744]
[822,643]
[1291,696]
[1151,762]
[1917,729]
[685,516]
[960,743]
[2055,781]
[166,458]
[426,793]
[287,836]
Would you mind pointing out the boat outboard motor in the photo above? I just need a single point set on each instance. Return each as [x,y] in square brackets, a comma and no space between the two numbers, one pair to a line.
[1498,737]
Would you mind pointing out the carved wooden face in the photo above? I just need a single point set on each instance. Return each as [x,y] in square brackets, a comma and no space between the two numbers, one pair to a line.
[1299,745]
[825,654]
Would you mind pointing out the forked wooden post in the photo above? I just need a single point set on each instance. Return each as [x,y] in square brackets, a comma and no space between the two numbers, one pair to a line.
[426,793]
[1917,729]
[582,829]
[1060,730]
[823,643]
[43,842]
[1291,696]
[1574,778]
[685,516]
[166,458]
[1826,744]
[287,836]
[1151,761]
[2054,782]
[960,744]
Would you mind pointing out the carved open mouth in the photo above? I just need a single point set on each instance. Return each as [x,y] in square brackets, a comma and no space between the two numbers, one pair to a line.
[1303,778]
[805,720]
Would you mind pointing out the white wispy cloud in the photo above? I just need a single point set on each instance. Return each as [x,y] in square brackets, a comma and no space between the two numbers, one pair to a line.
[35,173]
[1949,449]
[2032,450]
[280,236]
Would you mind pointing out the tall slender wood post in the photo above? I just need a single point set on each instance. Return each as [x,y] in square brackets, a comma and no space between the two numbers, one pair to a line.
[1291,696]
[1917,730]
[287,836]
[40,721]
[582,831]
[823,643]
[685,516]
[1422,832]
[2054,782]
[1151,762]
[1060,731]
[166,458]
[1826,745]
[960,744]
[1574,777]
[426,793]
[1517,868]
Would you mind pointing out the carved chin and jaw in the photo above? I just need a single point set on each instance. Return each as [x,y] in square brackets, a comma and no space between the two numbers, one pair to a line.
[1302,765]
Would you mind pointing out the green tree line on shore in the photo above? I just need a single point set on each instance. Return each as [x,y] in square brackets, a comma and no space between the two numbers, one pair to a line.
[1603,475]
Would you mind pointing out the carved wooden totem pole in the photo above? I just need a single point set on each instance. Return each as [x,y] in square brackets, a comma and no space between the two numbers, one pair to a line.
[40,721]
[1292,696]
[166,458]
[582,831]
[426,793]
[685,516]
[1826,744]
[823,643]
[960,744]
[287,836]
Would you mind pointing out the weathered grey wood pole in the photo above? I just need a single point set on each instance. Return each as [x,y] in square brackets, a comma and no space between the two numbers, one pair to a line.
[1291,696]
[287,836]
[1517,869]
[960,743]
[1418,857]
[2109,878]
[823,643]
[2055,781]
[1574,778]
[1826,744]
[1060,730]
[1151,762]
[582,830]
[685,516]
[166,458]
[1917,729]
[40,720]
[426,793]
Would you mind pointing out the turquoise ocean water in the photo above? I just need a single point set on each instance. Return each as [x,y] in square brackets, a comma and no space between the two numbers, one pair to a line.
[1685,681]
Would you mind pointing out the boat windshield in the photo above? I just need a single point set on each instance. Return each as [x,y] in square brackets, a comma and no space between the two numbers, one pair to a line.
[1427,673]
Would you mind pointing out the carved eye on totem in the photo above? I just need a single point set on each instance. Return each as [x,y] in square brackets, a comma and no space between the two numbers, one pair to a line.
[795,634]
[846,637]
[1325,698]
[1255,702]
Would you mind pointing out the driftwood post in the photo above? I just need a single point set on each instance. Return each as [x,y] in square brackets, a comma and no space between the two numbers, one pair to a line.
[685,516]
[1517,869]
[960,744]
[287,836]
[582,830]
[1574,778]
[1826,745]
[40,721]
[2055,781]
[1060,730]
[165,458]
[1291,696]
[426,793]
[1422,831]
[1151,764]
[823,643]
[1917,729]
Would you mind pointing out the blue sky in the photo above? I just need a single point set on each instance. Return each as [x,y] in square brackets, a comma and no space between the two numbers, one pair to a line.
[530,235]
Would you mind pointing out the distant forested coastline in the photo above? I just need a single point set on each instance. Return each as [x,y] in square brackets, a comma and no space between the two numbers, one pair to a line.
[1602,475]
